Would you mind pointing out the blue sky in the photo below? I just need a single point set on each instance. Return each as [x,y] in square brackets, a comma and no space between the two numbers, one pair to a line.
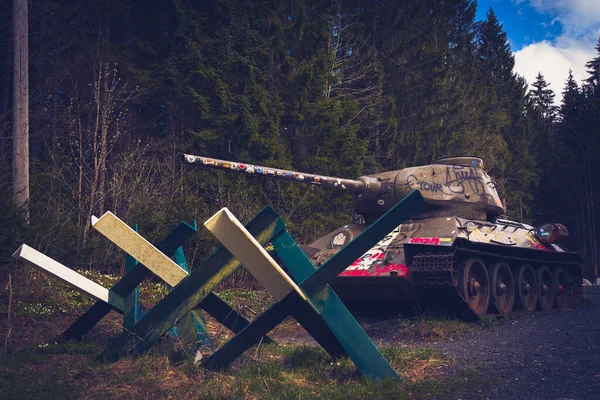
[549,36]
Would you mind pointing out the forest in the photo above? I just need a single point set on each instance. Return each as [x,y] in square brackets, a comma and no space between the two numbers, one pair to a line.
[120,89]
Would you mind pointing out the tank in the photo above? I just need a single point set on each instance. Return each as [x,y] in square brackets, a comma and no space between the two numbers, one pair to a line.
[460,253]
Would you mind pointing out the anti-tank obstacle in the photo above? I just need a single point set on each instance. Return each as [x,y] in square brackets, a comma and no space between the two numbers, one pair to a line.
[305,294]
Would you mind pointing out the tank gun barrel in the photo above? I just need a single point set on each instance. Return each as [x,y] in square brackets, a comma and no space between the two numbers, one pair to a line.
[350,185]
[451,186]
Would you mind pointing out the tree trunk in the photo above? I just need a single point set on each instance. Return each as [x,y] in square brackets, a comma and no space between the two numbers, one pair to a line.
[5,87]
[95,146]
[81,162]
[21,108]
[589,196]
[106,112]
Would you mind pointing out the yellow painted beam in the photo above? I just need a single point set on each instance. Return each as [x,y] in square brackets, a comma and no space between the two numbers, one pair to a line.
[234,236]
[139,248]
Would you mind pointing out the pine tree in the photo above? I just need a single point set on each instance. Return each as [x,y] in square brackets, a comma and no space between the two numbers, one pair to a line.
[543,116]
[494,50]
[593,69]
[590,141]
[543,99]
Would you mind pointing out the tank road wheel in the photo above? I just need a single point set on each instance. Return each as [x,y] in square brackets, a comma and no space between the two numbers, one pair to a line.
[503,289]
[526,288]
[545,289]
[474,285]
[561,288]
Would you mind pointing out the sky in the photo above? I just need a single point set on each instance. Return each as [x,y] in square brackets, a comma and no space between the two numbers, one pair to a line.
[549,36]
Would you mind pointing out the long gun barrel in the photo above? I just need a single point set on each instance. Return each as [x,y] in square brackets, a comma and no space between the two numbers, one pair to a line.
[458,183]
[351,185]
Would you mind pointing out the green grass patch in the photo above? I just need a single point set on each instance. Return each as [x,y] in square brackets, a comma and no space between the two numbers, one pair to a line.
[267,372]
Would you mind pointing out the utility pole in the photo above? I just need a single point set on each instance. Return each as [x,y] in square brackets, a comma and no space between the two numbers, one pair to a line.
[20,162]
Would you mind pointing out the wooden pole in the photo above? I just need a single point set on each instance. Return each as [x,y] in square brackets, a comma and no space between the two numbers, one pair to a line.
[21,108]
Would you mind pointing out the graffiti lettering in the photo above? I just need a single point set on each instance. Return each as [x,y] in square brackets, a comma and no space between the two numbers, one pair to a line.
[420,240]
[457,177]
[399,269]
[431,241]
[431,186]
[412,183]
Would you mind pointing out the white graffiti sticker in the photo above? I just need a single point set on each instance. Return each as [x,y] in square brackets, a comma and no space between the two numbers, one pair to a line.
[376,253]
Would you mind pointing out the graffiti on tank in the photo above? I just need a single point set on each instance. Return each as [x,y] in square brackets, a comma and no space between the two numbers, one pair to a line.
[534,243]
[413,183]
[399,269]
[388,238]
[458,177]
[375,255]
[432,241]
[431,186]
[459,180]
[366,260]
[420,240]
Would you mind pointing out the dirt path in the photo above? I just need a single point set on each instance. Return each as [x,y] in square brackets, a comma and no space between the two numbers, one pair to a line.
[550,355]
[554,355]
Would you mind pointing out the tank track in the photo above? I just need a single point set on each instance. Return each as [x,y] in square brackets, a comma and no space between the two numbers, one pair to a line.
[435,269]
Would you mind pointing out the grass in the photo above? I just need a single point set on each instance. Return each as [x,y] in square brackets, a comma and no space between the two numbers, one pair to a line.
[269,372]
[33,366]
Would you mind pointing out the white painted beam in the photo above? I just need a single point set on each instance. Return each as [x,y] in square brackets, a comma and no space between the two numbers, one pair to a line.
[67,275]
[139,248]
[234,236]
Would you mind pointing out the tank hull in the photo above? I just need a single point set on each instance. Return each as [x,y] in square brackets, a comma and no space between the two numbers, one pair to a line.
[460,265]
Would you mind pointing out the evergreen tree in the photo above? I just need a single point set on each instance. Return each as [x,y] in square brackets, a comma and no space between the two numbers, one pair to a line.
[543,99]
[593,69]
[590,143]
[543,116]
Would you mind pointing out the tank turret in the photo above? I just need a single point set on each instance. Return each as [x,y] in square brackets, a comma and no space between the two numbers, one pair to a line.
[450,186]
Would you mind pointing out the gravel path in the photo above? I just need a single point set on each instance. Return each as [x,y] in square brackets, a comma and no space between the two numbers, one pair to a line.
[553,355]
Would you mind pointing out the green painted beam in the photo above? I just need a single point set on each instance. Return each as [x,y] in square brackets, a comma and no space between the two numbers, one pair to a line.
[132,299]
[191,291]
[193,333]
[227,316]
[86,321]
[318,329]
[191,329]
[361,349]
[252,333]
[362,243]
[323,299]
[287,247]
[329,310]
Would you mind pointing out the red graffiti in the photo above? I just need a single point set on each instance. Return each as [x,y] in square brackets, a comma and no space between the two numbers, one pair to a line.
[537,245]
[424,240]
[399,269]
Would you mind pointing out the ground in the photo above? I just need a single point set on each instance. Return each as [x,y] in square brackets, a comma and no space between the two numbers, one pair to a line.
[552,355]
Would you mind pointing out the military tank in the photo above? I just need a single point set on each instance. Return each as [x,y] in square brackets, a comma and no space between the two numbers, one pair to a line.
[460,252]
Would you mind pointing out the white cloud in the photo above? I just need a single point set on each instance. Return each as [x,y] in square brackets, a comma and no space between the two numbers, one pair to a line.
[577,16]
[580,21]
[554,63]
